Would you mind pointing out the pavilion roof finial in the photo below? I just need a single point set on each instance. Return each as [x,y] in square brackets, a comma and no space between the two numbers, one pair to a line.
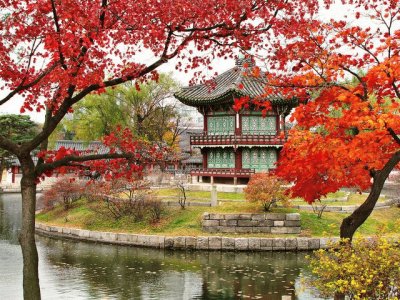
[242,60]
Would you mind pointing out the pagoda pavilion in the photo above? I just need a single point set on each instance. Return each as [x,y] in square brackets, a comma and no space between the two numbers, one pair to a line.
[235,145]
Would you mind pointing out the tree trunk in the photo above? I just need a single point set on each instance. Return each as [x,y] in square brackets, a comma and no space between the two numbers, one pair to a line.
[351,223]
[27,234]
[1,169]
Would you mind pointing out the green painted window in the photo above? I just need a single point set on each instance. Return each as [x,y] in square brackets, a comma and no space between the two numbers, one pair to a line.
[260,159]
[258,125]
[221,158]
[221,125]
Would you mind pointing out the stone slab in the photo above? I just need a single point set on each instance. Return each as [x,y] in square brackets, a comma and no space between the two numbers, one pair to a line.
[293,217]
[275,217]
[228,243]
[266,243]
[214,243]
[202,242]
[241,244]
[254,244]
[278,244]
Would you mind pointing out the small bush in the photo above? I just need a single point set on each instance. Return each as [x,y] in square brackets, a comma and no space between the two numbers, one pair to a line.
[155,209]
[64,191]
[267,190]
[125,198]
[364,270]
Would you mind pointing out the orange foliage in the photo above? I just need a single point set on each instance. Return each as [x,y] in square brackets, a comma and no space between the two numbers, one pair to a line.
[265,189]
[349,128]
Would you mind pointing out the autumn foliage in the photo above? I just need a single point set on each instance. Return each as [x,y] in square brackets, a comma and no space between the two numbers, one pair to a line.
[369,269]
[344,71]
[64,191]
[347,129]
[266,190]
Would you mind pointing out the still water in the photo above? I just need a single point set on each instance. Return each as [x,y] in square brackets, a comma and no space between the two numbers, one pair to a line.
[77,270]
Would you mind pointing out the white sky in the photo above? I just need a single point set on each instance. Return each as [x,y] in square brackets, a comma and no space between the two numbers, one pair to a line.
[219,65]
[14,105]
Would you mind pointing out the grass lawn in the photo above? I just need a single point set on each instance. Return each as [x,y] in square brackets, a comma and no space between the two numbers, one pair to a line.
[338,198]
[176,221]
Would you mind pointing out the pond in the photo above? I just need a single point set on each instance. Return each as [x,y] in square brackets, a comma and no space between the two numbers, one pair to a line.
[78,270]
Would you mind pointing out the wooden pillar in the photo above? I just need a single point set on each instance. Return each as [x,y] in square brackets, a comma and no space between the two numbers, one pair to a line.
[205,157]
[281,120]
[205,126]
[212,179]
[235,180]
[238,159]
[238,124]
[13,172]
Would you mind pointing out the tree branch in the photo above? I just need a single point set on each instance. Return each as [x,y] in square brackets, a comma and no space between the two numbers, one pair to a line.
[67,160]
[103,12]
[58,29]
[29,85]
[394,135]
[8,145]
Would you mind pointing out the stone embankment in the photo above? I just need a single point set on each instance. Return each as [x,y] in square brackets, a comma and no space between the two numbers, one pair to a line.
[189,242]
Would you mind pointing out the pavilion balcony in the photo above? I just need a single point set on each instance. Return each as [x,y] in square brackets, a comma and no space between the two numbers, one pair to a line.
[219,172]
[250,138]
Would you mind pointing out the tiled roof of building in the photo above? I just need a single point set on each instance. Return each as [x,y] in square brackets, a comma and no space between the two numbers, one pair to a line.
[94,146]
[193,160]
[236,82]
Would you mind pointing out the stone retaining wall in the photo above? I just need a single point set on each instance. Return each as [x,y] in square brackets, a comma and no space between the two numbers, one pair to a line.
[349,208]
[252,223]
[188,242]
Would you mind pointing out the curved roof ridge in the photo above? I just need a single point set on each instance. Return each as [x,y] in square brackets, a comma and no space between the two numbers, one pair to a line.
[237,81]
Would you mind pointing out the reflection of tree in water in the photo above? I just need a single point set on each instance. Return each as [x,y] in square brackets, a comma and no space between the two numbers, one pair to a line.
[134,273]
[10,217]
[254,275]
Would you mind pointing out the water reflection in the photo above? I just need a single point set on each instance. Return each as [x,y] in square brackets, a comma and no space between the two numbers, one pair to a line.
[10,217]
[76,270]
[126,273]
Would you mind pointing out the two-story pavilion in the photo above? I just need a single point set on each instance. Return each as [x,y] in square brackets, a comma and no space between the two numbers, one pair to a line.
[233,144]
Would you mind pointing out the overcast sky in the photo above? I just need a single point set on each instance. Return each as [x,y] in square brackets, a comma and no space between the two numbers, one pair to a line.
[219,66]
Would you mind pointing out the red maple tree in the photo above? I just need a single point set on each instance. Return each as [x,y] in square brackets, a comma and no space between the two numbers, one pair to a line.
[345,71]
[54,53]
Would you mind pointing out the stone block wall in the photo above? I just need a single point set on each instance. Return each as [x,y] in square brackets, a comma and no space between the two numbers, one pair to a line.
[275,223]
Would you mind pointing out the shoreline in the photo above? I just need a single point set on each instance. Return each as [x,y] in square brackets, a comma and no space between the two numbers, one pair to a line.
[217,243]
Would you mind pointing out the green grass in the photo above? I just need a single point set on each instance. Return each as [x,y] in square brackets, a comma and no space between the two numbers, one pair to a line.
[176,221]
[334,199]
[197,196]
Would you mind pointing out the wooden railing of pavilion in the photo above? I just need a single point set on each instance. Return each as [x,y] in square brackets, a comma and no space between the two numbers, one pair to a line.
[250,138]
[221,172]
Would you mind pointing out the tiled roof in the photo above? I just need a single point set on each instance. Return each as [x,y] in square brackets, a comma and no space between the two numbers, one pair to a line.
[94,146]
[235,82]
[193,160]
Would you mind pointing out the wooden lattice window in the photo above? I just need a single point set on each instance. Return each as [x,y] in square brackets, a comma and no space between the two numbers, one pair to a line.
[221,125]
[221,158]
[259,159]
[258,125]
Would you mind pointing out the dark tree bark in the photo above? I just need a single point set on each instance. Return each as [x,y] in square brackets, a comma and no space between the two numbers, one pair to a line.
[27,234]
[351,223]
